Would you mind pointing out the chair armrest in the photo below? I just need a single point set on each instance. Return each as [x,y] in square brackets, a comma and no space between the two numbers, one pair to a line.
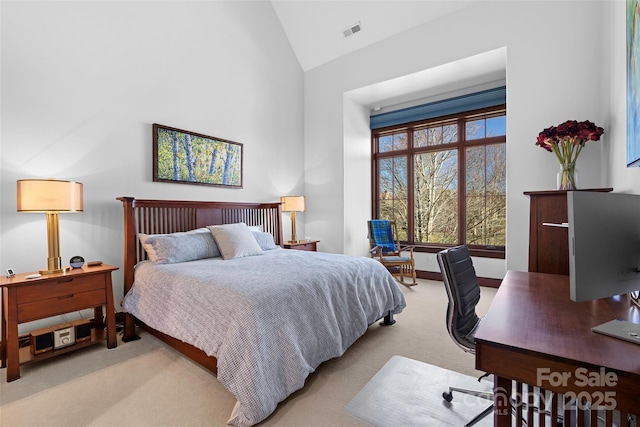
[407,248]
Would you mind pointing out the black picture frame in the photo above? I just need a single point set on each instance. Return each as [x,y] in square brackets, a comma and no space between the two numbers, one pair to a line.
[186,157]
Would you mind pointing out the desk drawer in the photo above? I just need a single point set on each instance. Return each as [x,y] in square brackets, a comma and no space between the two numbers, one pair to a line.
[60,305]
[59,287]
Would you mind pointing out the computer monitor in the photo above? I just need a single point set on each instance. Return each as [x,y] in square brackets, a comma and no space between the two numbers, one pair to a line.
[604,244]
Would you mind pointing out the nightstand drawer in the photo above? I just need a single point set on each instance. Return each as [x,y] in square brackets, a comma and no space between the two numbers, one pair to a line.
[311,246]
[60,305]
[303,245]
[59,287]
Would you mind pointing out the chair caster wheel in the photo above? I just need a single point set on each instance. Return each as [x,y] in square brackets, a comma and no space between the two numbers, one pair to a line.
[447,395]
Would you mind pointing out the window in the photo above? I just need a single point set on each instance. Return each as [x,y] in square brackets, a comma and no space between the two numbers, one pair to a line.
[443,180]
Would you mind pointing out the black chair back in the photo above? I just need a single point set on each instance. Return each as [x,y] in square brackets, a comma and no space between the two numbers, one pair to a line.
[463,290]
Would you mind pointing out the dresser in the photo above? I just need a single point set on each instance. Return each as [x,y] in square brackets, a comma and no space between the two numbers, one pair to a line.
[548,245]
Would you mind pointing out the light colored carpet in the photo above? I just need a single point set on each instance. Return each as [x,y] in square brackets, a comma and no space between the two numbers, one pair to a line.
[406,393]
[144,383]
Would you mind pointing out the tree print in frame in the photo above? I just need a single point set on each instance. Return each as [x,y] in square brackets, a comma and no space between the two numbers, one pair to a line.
[191,158]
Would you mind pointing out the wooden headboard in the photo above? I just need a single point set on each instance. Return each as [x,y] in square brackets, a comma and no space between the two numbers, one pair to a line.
[170,216]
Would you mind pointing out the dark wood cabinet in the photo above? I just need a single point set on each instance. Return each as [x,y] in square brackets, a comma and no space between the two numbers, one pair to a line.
[26,299]
[548,245]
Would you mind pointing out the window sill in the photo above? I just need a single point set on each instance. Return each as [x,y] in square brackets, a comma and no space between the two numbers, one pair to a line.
[498,252]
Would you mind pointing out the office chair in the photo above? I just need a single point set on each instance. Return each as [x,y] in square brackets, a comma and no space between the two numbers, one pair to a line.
[385,246]
[463,290]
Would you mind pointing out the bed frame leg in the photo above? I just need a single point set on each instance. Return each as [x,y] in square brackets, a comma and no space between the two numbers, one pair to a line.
[129,329]
[388,320]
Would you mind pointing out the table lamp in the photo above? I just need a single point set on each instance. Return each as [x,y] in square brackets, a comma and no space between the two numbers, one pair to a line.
[292,204]
[51,197]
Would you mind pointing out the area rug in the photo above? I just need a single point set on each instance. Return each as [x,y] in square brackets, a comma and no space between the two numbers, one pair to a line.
[406,392]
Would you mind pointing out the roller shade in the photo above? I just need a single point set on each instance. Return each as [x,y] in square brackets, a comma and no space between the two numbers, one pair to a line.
[459,104]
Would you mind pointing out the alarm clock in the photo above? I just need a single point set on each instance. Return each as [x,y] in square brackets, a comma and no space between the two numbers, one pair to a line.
[76,261]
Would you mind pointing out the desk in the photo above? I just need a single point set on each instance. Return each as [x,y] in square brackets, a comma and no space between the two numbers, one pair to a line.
[533,332]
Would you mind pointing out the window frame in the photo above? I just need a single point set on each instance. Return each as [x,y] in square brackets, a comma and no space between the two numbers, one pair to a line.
[462,144]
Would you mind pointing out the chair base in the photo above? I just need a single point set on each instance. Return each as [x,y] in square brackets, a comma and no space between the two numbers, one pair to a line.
[448,396]
[480,416]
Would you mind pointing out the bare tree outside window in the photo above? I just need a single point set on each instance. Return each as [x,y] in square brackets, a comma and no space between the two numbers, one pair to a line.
[393,192]
[457,171]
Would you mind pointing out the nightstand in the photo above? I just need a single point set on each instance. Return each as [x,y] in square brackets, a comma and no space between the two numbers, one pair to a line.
[25,300]
[302,245]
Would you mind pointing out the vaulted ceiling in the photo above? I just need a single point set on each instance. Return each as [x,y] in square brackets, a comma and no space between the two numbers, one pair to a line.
[315,27]
[316,31]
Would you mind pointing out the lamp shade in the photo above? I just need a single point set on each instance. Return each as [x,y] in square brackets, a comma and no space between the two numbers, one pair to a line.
[292,203]
[49,195]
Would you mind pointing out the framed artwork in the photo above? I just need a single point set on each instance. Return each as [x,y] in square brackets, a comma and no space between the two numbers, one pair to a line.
[633,83]
[191,158]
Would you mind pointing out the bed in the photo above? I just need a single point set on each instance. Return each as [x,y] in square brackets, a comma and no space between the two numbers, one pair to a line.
[260,317]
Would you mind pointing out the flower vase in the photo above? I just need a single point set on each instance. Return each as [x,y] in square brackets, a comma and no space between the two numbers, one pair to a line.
[567,178]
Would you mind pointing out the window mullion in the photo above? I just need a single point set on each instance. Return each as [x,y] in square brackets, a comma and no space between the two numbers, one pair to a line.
[462,182]
[410,186]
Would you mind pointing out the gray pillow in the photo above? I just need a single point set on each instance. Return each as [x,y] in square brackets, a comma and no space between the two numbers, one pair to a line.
[235,240]
[179,247]
[265,240]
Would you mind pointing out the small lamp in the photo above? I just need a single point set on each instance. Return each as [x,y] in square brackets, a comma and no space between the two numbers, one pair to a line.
[292,204]
[51,197]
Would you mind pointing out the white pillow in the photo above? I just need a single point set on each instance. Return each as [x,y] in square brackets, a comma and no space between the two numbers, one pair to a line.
[235,240]
[179,247]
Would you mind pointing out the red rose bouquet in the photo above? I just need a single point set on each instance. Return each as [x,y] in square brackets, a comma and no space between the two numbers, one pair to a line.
[566,141]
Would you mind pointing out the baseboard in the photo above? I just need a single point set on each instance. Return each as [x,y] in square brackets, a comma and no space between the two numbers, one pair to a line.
[484,281]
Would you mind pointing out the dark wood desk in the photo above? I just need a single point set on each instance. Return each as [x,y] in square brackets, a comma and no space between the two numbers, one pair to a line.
[533,333]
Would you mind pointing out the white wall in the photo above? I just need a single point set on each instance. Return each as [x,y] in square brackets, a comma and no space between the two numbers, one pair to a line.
[357,160]
[558,57]
[82,83]
[621,178]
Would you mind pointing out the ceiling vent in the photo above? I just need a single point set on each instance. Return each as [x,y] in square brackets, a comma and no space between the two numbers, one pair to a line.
[352,29]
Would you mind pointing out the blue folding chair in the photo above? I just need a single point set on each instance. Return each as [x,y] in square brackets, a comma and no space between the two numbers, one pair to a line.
[385,246]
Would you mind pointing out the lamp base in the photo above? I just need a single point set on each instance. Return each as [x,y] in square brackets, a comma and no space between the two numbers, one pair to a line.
[55,270]
[54,263]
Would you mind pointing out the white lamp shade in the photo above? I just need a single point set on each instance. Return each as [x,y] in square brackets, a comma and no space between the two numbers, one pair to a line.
[292,203]
[49,195]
